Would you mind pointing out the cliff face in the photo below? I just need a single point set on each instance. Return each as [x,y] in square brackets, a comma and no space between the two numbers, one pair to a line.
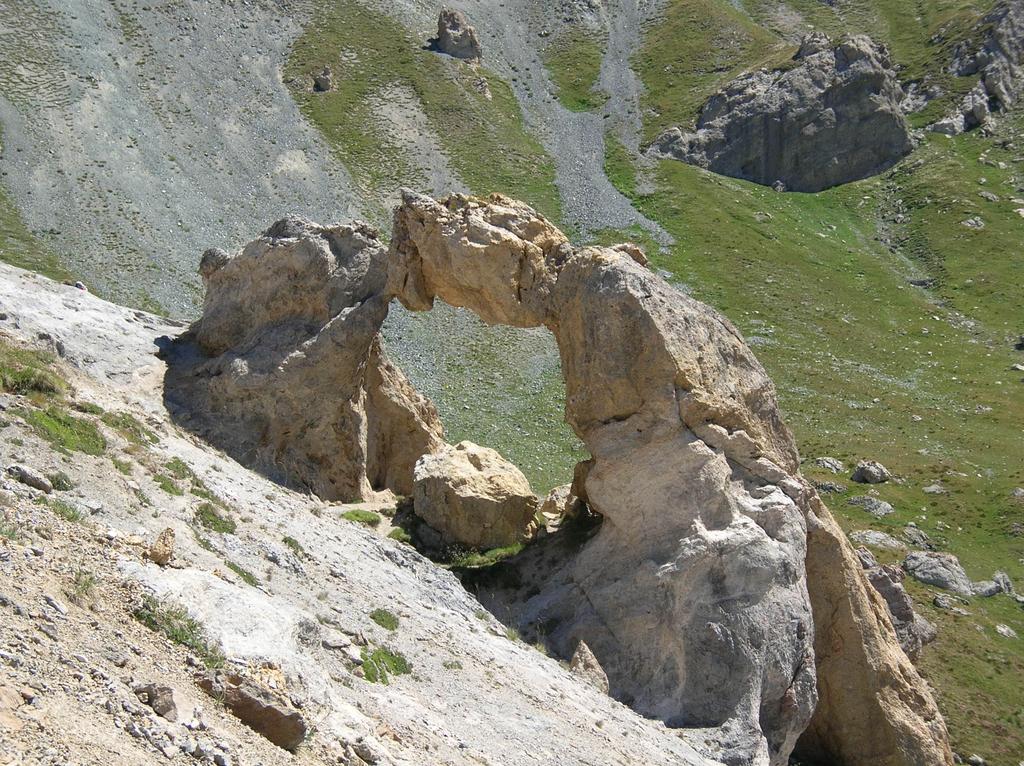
[834,117]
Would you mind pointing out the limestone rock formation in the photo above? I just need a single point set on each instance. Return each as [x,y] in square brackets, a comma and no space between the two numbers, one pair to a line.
[1000,62]
[473,496]
[162,550]
[260,709]
[692,593]
[456,37]
[290,324]
[834,117]
[913,630]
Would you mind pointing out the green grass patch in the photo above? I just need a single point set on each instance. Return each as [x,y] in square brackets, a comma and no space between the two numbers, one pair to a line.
[385,619]
[179,469]
[360,516]
[9,530]
[65,431]
[168,485]
[20,247]
[123,466]
[247,577]
[573,59]
[83,588]
[29,373]
[208,517]
[473,559]
[176,624]
[400,535]
[372,55]
[130,428]
[380,664]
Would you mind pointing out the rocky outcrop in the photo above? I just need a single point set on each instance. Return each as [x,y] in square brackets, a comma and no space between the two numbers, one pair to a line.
[289,324]
[941,570]
[913,630]
[693,592]
[473,497]
[262,710]
[456,37]
[832,118]
[585,665]
[998,61]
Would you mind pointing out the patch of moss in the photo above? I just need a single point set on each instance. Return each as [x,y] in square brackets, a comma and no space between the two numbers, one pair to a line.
[129,426]
[247,577]
[381,663]
[208,517]
[385,619]
[359,516]
[294,546]
[168,485]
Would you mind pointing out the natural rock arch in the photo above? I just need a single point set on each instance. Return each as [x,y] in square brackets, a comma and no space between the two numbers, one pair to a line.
[718,593]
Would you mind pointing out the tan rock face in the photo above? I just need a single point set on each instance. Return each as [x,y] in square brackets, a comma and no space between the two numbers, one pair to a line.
[473,496]
[693,595]
[287,373]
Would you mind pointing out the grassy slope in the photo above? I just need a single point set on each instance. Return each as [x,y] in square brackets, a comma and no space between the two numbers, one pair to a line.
[484,138]
[867,365]
[573,57]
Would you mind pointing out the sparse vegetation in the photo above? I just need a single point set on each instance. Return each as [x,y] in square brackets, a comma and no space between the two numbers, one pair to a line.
[573,59]
[174,622]
[247,577]
[179,469]
[385,619]
[130,428]
[473,559]
[67,511]
[61,481]
[168,485]
[294,546]
[83,588]
[359,516]
[208,517]
[64,431]
[123,466]
[380,664]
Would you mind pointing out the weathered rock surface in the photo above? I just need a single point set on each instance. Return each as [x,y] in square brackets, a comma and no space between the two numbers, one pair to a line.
[585,665]
[873,505]
[876,539]
[942,570]
[30,478]
[999,62]
[693,474]
[162,550]
[913,630]
[260,709]
[160,698]
[291,321]
[456,37]
[834,117]
[473,496]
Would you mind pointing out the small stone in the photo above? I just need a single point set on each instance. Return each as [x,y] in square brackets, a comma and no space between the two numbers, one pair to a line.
[322,81]
[934,489]
[160,698]
[585,665]
[162,550]
[942,570]
[975,760]
[987,588]
[830,464]
[875,539]
[874,506]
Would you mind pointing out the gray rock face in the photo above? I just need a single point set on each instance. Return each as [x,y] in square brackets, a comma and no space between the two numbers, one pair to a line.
[876,539]
[292,319]
[913,630]
[833,118]
[473,496]
[456,37]
[30,478]
[260,709]
[999,62]
[942,570]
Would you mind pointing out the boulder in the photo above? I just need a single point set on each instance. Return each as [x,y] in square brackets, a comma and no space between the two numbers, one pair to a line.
[162,550]
[870,472]
[261,709]
[323,81]
[942,570]
[30,478]
[708,538]
[876,539]
[585,665]
[473,497]
[831,118]
[913,630]
[874,506]
[289,323]
[160,698]
[830,464]
[456,37]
